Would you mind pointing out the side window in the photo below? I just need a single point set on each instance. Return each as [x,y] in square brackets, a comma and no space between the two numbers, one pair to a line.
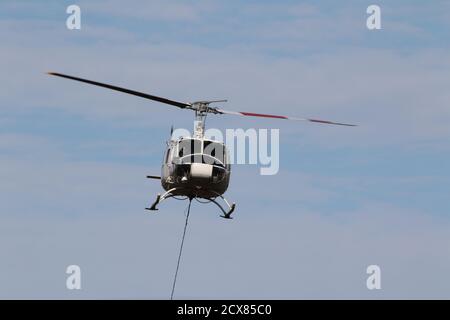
[166,159]
[181,148]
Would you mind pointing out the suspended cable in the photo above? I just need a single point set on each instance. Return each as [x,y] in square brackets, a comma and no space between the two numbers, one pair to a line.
[181,249]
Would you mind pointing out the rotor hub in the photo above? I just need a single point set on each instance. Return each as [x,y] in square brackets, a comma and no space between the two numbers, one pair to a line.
[202,107]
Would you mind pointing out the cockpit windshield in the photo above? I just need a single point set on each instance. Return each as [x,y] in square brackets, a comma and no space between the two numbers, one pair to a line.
[201,151]
[215,150]
[189,146]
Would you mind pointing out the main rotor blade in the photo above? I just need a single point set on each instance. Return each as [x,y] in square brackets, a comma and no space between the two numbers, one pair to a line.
[262,115]
[135,93]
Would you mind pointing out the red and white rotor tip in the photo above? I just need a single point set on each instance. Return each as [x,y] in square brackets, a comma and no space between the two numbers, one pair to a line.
[263,115]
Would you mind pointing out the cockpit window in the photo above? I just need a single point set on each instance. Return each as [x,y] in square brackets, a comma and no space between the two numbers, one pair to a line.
[190,151]
[215,150]
[189,146]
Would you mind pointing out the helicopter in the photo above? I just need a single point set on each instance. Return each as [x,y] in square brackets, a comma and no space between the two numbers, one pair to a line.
[195,167]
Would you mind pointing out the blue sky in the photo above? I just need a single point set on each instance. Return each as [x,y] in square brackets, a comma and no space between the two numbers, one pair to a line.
[73,158]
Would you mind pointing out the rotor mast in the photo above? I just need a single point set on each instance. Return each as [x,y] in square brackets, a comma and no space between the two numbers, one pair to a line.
[199,125]
[202,109]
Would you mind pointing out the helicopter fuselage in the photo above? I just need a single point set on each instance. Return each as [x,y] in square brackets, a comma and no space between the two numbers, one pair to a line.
[195,168]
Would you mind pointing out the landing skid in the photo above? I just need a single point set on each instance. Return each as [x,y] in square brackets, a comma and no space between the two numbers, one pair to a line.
[170,193]
[159,198]
[226,214]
